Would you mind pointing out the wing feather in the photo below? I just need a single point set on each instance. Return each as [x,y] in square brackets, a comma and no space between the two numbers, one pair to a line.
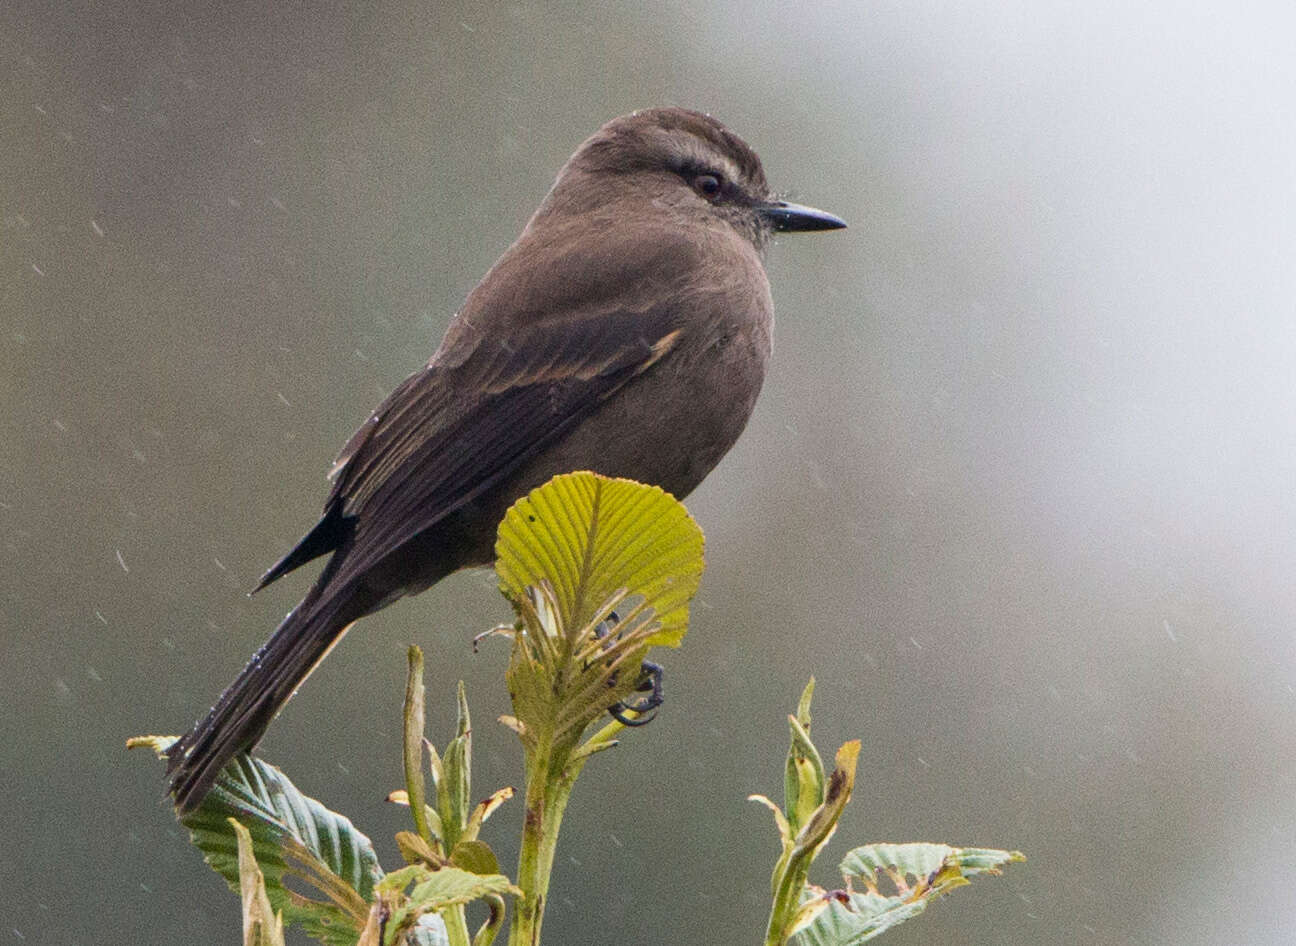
[447,435]
[542,342]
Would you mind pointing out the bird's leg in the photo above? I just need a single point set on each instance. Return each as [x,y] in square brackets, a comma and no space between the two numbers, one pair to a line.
[650,682]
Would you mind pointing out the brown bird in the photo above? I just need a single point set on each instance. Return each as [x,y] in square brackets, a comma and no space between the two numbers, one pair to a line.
[626,331]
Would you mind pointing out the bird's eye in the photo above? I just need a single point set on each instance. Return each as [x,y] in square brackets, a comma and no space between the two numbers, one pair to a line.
[708,185]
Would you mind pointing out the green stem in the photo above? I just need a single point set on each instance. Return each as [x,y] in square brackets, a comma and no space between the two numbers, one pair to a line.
[787,897]
[548,789]
[551,774]
[456,922]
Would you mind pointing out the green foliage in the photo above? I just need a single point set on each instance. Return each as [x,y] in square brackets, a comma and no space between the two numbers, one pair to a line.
[595,541]
[255,828]
[291,834]
[916,874]
[571,556]
[418,890]
[456,868]
[813,804]
[597,571]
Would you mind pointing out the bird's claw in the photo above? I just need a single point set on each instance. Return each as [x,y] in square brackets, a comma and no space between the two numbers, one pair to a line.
[645,709]
[650,682]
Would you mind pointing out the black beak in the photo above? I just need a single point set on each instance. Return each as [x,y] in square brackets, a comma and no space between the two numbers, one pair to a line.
[793,218]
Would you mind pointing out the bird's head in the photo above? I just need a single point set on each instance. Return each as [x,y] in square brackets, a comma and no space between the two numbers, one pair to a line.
[684,162]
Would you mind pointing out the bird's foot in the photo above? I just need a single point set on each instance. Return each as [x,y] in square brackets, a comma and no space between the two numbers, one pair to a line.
[650,682]
[644,708]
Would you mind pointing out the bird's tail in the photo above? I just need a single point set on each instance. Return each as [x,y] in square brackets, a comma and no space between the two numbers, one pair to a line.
[247,706]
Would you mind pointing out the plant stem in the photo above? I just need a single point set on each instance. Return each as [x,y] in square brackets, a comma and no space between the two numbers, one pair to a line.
[456,922]
[549,784]
[787,896]
[552,769]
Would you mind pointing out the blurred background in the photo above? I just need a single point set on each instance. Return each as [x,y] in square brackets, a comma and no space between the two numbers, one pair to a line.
[1018,491]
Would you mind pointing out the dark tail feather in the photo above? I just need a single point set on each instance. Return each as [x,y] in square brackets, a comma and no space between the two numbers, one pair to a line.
[324,537]
[247,706]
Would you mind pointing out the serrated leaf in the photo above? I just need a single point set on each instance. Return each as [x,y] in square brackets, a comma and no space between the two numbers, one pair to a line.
[291,833]
[590,536]
[899,881]
[569,554]
[450,885]
[917,864]
[435,890]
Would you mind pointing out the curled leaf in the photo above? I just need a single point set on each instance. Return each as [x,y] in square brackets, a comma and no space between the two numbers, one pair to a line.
[898,881]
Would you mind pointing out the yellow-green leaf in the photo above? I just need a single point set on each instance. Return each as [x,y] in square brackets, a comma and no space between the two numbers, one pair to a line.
[476,857]
[590,537]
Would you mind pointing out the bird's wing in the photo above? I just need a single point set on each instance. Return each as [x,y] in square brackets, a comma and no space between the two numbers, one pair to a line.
[448,434]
